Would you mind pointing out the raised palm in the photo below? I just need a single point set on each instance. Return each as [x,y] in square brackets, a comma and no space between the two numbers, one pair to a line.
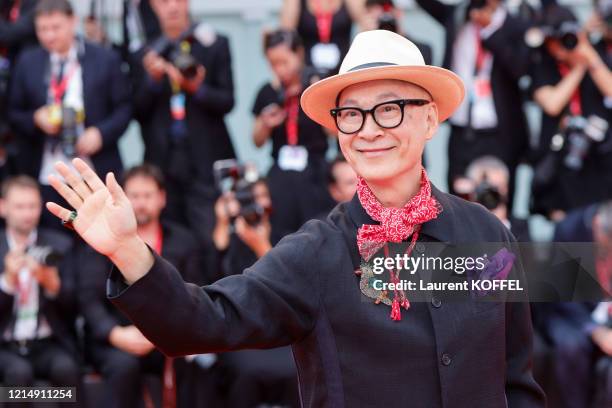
[105,217]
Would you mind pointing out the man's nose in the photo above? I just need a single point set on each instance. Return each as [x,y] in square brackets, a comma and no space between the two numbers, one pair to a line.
[370,129]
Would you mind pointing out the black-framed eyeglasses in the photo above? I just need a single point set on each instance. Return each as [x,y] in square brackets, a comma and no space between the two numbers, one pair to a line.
[387,115]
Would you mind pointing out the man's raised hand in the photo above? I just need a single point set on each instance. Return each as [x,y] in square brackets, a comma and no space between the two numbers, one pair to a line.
[105,218]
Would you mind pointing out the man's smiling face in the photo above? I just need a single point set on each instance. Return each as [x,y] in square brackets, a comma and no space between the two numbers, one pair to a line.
[378,154]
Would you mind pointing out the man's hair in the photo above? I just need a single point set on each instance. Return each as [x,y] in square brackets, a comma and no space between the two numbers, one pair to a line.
[290,38]
[555,15]
[53,6]
[387,4]
[145,170]
[486,164]
[21,181]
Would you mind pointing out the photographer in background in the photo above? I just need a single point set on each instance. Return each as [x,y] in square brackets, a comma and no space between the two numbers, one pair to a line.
[16,33]
[242,236]
[37,298]
[242,232]
[580,332]
[570,83]
[118,350]
[342,180]
[383,15]
[68,99]
[484,46]
[599,28]
[486,182]
[183,91]
[297,176]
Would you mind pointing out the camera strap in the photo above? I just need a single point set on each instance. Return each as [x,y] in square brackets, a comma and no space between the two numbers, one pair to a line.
[178,112]
[159,241]
[59,83]
[291,124]
[575,104]
[324,22]
[15,11]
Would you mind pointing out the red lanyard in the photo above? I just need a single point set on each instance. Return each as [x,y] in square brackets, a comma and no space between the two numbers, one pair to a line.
[575,103]
[159,241]
[59,89]
[291,125]
[481,53]
[324,22]
[24,289]
[15,11]
[603,266]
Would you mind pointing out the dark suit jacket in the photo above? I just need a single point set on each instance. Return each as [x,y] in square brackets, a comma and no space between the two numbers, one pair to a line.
[20,33]
[106,98]
[349,353]
[509,64]
[179,247]
[60,311]
[208,139]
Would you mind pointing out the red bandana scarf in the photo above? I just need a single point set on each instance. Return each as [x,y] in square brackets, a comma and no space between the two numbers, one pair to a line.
[396,224]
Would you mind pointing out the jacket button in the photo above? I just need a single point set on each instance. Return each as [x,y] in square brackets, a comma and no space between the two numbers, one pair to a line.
[436,302]
[446,360]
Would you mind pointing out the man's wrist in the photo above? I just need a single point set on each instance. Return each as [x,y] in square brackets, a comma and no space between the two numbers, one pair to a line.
[262,248]
[133,259]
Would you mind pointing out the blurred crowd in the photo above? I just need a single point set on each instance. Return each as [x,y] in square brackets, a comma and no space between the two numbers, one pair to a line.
[65,95]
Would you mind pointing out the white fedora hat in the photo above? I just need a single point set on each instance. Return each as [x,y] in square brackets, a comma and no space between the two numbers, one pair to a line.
[382,54]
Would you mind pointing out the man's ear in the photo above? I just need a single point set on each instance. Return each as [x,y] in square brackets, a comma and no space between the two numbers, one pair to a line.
[432,120]
[2,208]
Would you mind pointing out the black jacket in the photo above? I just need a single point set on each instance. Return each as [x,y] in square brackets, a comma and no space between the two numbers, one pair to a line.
[208,139]
[349,353]
[20,33]
[106,98]
[60,311]
[179,247]
[509,65]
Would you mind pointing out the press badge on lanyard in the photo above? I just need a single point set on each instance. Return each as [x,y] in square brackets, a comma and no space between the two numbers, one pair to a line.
[292,156]
[325,54]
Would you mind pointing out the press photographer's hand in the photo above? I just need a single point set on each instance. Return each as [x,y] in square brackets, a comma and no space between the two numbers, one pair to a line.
[105,217]
[14,261]
[42,119]
[257,237]
[273,116]
[90,142]
[189,85]
[154,65]
[47,276]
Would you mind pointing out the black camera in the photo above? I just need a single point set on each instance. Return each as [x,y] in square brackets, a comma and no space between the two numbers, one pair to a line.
[69,132]
[488,195]
[566,34]
[387,21]
[577,137]
[178,52]
[230,175]
[45,255]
